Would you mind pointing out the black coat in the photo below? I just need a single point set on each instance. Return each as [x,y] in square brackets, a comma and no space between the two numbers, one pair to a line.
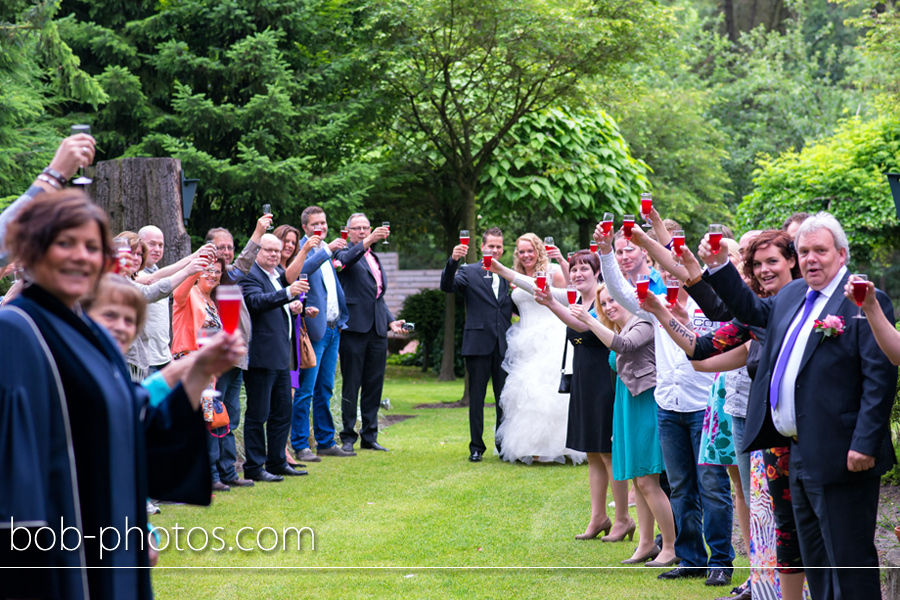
[487,317]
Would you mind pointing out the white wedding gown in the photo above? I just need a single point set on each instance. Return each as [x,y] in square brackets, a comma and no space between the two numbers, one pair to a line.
[534,412]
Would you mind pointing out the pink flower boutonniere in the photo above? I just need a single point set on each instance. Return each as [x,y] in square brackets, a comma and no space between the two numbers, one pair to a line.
[830,326]
[338,265]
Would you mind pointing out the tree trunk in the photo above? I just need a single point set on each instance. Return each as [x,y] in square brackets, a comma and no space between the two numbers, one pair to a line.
[742,16]
[143,191]
[585,232]
[447,373]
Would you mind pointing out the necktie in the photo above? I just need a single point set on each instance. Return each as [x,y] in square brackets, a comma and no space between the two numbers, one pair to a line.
[781,364]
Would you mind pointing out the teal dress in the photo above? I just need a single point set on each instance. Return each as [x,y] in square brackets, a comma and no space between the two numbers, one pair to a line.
[635,442]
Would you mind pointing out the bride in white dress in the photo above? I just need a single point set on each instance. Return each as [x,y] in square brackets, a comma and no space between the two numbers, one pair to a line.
[534,412]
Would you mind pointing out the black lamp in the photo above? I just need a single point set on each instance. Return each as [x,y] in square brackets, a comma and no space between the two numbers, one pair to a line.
[188,189]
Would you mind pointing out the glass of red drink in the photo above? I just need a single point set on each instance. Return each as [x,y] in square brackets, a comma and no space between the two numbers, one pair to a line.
[344,233]
[228,297]
[672,287]
[593,247]
[627,225]
[540,280]
[267,210]
[464,237]
[486,261]
[548,243]
[123,255]
[571,293]
[646,205]
[318,231]
[643,287]
[678,243]
[860,289]
[607,223]
[715,237]
[386,225]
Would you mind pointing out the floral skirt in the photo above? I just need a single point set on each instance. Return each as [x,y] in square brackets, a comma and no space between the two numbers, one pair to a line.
[717,439]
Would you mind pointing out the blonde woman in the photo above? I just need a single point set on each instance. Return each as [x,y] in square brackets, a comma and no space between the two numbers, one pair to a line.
[535,414]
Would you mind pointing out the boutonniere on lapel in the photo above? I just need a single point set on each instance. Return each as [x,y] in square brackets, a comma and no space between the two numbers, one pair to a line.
[338,265]
[509,292]
[830,326]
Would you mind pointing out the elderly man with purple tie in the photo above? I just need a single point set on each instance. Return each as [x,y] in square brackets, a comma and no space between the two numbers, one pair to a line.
[827,391]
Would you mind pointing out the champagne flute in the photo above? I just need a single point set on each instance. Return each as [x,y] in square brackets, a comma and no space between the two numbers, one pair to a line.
[643,287]
[860,289]
[569,257]
[81,179]
[627,224]
[646,206]
[486,264]
[715,237]
[540,280]
[123,254]
[267,210]
[607,223]
[464,237]
[571,293]
[387,226]
[672,287]
[548,243]
[302,277]
[593,247]
[678,243]
[344,233]
[228,297]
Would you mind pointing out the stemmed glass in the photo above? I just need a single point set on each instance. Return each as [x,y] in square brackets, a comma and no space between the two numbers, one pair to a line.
[678,243]
[672,287]
[860,289]
[267,210]
[627,224]
[548,242]
[464,237]
[486,262]
[386,225]
[607,223]
[643,287]
[646,206]
[344,232]
[81,179]
[715,237]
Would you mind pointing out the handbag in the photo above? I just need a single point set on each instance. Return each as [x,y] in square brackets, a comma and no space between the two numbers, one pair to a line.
[305,349]
[220,418]
[565,380]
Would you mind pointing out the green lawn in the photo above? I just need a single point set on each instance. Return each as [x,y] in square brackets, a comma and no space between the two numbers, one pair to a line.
[418,522]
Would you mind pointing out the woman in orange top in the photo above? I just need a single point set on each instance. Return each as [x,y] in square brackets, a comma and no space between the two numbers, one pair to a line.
[195,308]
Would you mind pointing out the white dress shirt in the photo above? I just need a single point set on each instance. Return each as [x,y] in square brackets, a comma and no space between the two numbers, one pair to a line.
[275,278]
[332,308]
[784,416]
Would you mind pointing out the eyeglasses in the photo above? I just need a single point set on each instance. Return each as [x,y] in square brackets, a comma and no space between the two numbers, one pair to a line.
[360,228]
[224,248]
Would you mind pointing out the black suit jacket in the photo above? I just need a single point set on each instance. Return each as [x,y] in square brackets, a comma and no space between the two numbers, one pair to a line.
[360,292]
[270,347]
[487,317]
[844,389]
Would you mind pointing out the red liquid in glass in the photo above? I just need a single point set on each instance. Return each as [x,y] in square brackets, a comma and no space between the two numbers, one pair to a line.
[464,241]
[230,313]
[573,296]
[672,295]
[593,246]
[677,243]
[626,229]
[122,259]
[317,232]
[646,205]
[344,235]
[541,282]
[642,288]
[859,292]
[714,239]
[607,226]
[547,248]
[487,261]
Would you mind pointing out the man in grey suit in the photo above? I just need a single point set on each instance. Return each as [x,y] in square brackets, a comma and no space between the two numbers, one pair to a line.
[488,317]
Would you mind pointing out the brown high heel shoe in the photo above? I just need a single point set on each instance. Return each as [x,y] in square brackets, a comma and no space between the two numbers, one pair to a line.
[592,534]
[629,531]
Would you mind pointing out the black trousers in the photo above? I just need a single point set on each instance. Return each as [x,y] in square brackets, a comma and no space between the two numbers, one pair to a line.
[481,369]
[267,420]
[836,527]
[363,358]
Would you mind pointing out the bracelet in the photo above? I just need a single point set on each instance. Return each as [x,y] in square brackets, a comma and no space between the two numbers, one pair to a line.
[55,175]
[53,183]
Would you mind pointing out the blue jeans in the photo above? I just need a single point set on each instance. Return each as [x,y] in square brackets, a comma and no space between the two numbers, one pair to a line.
[701,494]
[223,450]
[316,385]
[743,458]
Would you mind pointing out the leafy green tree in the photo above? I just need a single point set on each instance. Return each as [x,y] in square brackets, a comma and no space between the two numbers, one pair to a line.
[576,165]
[843,174]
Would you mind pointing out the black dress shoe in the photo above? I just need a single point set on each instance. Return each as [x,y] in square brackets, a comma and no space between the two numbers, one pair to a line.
[475,456]
[218,486]
[683,573]
[718,577]
[239,482]
[373,446]
[264,476]
[288,470]
[347,446]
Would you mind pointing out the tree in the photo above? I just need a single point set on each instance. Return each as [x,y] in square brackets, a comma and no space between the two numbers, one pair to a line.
[843,174]
[466,71]
[572,164]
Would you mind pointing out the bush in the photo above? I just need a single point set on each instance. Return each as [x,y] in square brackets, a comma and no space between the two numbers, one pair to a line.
[426,310]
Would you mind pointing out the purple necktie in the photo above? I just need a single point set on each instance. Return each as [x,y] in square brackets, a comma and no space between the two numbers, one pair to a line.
[781,364]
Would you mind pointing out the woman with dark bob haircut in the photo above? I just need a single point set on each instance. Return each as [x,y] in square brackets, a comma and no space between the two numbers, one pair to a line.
[81,446]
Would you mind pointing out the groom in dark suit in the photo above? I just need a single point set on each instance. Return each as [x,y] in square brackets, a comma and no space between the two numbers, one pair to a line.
[488,317]
[829,393]
[363,348]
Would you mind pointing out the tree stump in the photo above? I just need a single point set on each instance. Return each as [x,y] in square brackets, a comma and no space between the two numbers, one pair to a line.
[136,192]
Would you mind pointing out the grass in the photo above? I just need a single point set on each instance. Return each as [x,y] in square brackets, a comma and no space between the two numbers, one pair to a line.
[417,522]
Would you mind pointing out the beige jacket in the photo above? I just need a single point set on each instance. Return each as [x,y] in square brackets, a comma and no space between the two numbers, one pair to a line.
[636,355]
